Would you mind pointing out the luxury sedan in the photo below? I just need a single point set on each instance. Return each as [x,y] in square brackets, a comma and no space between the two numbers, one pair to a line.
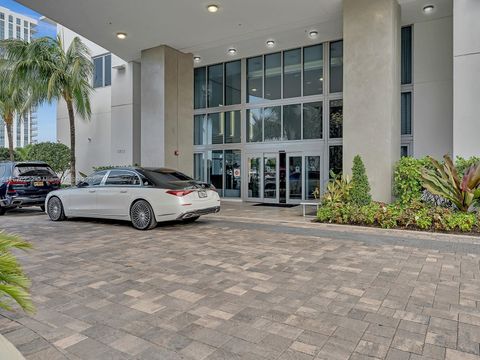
[143,196]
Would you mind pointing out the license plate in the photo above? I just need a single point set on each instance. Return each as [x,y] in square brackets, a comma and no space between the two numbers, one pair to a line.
[202,194]
[38,183]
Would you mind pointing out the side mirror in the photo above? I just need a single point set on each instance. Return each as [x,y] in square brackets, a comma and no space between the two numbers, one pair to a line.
[81,184]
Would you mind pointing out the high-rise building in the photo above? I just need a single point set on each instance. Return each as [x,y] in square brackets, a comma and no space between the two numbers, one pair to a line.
[25,127]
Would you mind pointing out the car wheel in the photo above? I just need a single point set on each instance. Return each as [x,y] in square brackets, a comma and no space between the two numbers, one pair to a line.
[191,219]
[142,215]
[42,207]
[55,209]
[2,211]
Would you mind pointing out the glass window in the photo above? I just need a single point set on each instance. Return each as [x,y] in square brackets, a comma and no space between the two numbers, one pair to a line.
[312,120]
[108,70]
[312,177]
[122,178]
[215,170]
[406,51]
[198,167]
[200,87]
[98,72]
[254,79]
[233,81]
[313,70]
[270,177]
[295,181]
[19,21]
[292,68]
[199,130]
[95,179]
[233,182]
[272,123]
[233,125]
[273,76]
[215,85]
[292,123]
[336,119]
[336,66]
[215,128]
[335,161]
[404,151]
[254,125]
[406,115]
[254,178]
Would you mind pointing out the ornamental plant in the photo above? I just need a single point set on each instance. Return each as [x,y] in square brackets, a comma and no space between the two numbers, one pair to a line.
[360,192]
[338,189]
[408,185]
[14,284]
[445,182]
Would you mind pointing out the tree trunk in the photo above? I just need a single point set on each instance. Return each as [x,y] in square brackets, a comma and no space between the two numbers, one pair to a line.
[9,123]
[71,118]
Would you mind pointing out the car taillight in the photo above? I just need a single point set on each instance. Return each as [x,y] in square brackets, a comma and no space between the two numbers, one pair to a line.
[16,182]
[54,182]
[179,193]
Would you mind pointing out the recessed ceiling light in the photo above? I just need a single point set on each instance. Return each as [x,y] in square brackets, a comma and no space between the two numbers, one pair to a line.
[232,51]
[212,8]
[254,90]
[197,59]
[121,35]
[321,79]
[313,34]
[428,9]
[270,43]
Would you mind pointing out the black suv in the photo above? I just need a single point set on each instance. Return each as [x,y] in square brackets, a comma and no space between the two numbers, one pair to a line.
[25,184]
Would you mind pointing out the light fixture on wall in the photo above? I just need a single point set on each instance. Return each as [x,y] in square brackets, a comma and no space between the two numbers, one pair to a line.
[212,8]
[197,59]
[121,35]
[232,51]
[313,34]
[270,43]
[428,9]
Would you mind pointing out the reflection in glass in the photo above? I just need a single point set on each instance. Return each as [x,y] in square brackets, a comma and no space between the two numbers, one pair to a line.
[254,177]
[233,160]
[335,161]
[292,122]
[272,119]
[215,85]
[295,177]
[254,125]
[336,119]
[312,178]
[406,114]
[200,88]
[292,68]
[98,72]
[108,70]
[215,170]
[215,128]
[233,80]
[199,130]
[233,125]
[254,79]
[313,70]
[406,62]
[198,167]
[273,76]
[312,120]
[336,66]
[270,178]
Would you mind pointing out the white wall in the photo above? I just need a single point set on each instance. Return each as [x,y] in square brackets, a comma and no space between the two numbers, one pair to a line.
[466,52]
[433,87]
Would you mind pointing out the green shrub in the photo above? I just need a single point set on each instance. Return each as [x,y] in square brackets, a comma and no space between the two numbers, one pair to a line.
[338,189]
[5,155]
[368,213]
[325,213]
[460,221]
[56,155]
[407,181]
[360,192]
[463,164]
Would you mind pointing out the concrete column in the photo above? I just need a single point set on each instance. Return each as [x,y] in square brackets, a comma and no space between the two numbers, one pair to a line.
[167,109]
[466,78]
[371,90]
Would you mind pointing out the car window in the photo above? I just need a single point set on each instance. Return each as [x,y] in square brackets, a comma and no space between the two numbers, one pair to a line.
[32,170]
[122,177]
[95,179]
[168,178]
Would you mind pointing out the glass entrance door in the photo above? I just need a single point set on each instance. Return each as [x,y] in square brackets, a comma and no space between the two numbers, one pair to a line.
[294,178]
[254,180]
[313,179]
[270,178]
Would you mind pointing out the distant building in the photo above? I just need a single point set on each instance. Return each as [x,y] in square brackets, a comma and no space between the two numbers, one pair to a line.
[25,127]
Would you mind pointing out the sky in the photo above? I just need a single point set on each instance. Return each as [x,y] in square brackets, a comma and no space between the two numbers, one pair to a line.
[46,113]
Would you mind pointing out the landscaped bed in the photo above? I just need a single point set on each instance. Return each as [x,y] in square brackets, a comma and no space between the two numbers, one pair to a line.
[429,196]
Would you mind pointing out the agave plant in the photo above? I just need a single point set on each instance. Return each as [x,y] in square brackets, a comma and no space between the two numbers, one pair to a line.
[14,284]
[338,189]
[445,182]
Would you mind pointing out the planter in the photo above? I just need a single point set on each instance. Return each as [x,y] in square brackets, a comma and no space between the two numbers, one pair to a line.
[8,351]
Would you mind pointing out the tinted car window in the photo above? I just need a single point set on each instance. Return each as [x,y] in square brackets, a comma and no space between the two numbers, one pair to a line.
[3,170]
[122,177]
[168,178]
[95,179]
[32,170]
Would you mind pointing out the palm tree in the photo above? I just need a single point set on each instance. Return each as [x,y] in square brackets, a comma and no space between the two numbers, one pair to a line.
[14,284]
[53,73]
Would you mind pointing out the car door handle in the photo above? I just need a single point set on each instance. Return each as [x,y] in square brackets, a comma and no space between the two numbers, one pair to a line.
[123,191]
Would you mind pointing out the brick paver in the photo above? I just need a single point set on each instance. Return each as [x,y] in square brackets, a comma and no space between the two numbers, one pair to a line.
[242,288]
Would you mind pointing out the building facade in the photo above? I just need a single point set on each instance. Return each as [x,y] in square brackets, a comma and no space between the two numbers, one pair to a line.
[25,126]
[267,115]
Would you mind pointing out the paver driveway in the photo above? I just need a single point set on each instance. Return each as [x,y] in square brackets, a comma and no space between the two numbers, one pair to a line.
[240,288]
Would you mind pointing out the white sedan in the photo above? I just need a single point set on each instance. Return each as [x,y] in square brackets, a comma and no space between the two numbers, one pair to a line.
[143,196]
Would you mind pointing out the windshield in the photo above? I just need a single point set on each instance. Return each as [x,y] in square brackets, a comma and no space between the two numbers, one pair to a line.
[33,170]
